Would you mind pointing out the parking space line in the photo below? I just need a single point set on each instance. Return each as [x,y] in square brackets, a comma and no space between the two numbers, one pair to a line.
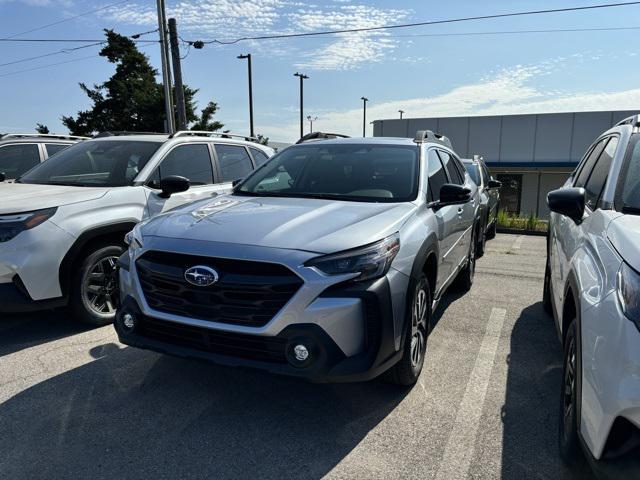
[460,446]
[518,243]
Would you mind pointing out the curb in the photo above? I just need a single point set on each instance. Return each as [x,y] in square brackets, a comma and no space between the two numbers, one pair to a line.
[516,231]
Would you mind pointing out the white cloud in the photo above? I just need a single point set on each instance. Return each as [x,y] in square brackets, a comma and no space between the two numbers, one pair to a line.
[510,91]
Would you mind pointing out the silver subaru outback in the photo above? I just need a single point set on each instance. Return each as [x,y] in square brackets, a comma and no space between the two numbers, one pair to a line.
[326,263]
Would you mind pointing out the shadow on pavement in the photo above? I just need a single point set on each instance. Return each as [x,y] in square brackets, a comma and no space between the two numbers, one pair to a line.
[530,412]
[18,332]
[132,413]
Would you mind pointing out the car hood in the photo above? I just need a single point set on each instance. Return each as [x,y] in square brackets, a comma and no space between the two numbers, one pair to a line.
[314,225]
[624,234]
[25,197]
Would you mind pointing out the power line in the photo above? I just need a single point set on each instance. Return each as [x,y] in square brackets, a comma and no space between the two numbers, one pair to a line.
[421,24]
[66,50]
[65,20]
[67,40]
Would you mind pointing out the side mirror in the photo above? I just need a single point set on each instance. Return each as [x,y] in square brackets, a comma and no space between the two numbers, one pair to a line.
[3,176]
[452,194]
[173,184]
[569,202]
[494,184]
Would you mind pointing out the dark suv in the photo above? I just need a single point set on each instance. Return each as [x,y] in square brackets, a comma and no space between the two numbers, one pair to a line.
[489,199]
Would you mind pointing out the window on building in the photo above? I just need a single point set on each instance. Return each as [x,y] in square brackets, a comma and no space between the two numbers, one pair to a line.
[190,161]
[17,159]
[598,178]
[234,162]
[510,192]
[451,167]
[437,176]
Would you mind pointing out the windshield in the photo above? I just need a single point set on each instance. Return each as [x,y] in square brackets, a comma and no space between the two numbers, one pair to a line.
[474,172]
[112,163]
[629,196]
[366,173]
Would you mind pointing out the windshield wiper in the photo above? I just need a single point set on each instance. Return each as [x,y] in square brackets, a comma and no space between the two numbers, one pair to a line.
[630,209]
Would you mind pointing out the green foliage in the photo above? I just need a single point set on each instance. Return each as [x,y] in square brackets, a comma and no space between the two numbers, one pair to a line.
[132,99]
[41,128]
[530,223]
[206,122]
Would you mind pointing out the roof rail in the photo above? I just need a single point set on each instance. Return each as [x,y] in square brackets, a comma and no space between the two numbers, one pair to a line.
[428,136]
[206,133]
[122,133]
[478,158]
[634,120]
[43,135]
[310,137]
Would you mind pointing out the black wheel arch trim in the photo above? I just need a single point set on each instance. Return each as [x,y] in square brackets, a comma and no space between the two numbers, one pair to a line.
[72,255]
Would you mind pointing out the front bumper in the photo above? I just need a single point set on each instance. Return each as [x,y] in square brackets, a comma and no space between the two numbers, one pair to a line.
[14,298]
[327,362]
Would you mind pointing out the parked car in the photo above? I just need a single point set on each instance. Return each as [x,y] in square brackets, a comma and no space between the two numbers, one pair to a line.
[489,199]
[20,152]
[62,224]
[325,263]
[592,288]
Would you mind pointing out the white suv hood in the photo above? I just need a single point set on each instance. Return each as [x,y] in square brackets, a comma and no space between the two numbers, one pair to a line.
[25,197]
[624,233]
[314,225]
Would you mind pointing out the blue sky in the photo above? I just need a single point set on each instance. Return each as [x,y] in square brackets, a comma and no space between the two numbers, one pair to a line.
[399,69]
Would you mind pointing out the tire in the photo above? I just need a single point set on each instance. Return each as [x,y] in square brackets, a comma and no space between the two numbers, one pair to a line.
[464,281]
[94,294]
[546,291]
[568,439]
[491,232]
[407,370]
[481,243]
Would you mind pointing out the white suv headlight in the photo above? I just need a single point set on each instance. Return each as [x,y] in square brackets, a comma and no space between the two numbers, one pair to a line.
[629,292]
[370,261]
[12,225]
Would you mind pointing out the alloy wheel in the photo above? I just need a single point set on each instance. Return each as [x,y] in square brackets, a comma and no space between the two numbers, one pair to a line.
[569,387]
[100,286]
[419,326]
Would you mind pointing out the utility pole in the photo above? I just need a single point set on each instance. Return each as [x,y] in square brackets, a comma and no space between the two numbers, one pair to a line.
[166,70]
[248,57]
[311,120]
[364,115]
[177,73]
[401,112]
[302,79]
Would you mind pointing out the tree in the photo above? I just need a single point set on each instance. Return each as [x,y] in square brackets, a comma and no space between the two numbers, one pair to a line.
[132,99]
[205,121]
[41,128]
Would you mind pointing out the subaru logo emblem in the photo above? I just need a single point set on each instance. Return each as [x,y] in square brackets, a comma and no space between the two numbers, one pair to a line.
[201,276]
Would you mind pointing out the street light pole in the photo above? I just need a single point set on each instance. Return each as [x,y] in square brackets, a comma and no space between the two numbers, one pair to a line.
[311,120]
[364,115]
[248,57]
[401,112]
[302,79]
[166,69]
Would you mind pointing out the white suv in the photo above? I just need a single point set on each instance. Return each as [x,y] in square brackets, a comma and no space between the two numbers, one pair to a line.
[592,286]
[62,224]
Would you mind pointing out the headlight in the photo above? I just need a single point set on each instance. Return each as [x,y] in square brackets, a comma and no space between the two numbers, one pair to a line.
[12,225]
[370,261]
[629,293]
[133,239]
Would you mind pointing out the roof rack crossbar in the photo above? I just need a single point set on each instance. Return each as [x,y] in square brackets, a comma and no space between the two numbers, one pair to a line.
[121,133]
[633,120]
[43,135]
[206,133]
[428,136]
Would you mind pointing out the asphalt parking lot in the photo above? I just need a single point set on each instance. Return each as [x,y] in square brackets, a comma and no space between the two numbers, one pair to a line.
[76,403]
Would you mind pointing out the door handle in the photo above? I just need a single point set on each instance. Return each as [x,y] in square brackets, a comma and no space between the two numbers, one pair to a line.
[460,210]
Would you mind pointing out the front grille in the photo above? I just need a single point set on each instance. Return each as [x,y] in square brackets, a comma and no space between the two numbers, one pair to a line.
[247,293]
[252,347]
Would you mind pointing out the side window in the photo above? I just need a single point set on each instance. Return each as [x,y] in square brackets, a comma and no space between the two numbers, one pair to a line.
[259,156]
[53,148]
[234,162]
[449,163]
[436,174]
[17,159]
[598,177]
[587,164]
[485,173]
[190,161]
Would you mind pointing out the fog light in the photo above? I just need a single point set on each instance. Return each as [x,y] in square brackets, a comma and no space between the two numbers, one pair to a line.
[301,353]
[128,321]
